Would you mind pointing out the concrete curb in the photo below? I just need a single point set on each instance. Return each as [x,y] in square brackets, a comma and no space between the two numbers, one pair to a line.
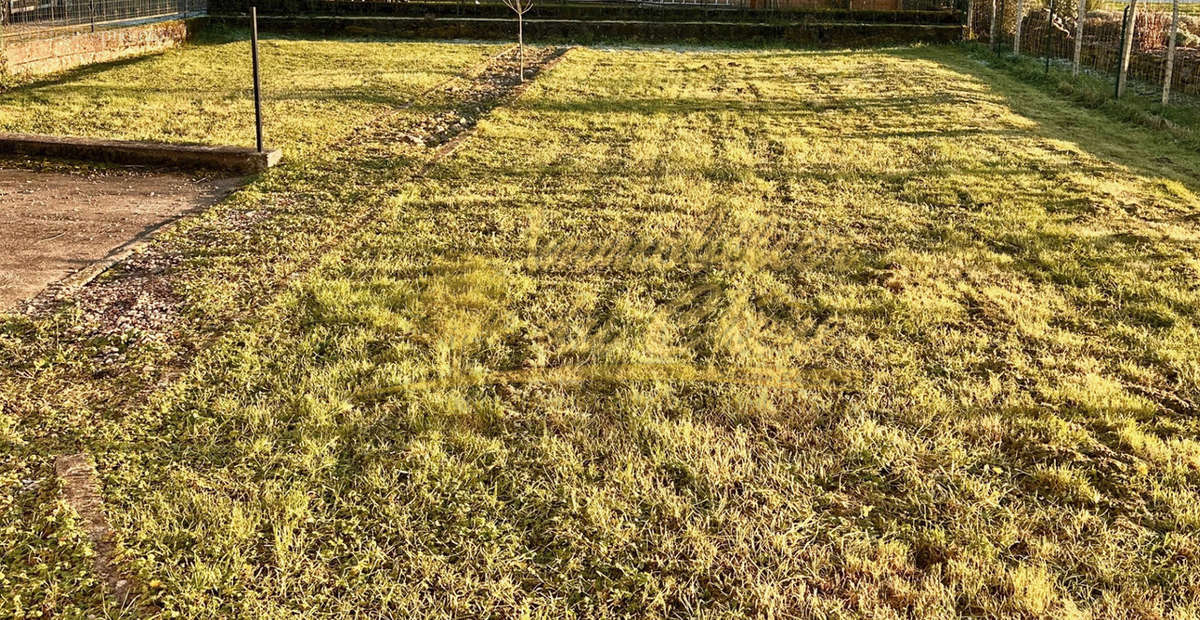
[230,158]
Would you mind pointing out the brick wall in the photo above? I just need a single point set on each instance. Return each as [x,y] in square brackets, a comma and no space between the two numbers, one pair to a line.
[71,49]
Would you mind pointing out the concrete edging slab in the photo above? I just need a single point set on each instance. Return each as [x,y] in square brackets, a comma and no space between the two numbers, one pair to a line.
[230,158]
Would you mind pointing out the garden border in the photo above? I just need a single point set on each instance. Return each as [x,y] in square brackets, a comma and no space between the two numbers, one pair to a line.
[228,158]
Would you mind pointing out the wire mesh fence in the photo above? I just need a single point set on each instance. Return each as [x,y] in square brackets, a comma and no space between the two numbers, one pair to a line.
[483,8]
[784,5]
[32,18]
[1102,37]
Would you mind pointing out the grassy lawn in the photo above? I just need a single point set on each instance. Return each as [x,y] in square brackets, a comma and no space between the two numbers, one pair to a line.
[764,333]
[66,380]
[1141,104]
[313,90]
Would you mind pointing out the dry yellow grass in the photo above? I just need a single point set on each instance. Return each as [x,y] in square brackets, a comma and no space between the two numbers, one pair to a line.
[764,333]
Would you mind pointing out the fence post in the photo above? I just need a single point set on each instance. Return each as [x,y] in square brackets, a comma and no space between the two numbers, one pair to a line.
[1126,48]
[1080,13]
[258,133]
[1049,33]
[992,32]
[1170,53]
[1020,24]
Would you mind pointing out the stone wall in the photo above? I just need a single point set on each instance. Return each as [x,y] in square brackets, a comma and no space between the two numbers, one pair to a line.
[68,49]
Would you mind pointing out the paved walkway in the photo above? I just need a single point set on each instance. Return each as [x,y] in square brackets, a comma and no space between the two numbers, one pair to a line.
[56,223]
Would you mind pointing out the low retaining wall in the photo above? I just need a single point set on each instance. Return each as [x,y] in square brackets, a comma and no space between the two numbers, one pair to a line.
[74,48]
[227,158]
[583,31]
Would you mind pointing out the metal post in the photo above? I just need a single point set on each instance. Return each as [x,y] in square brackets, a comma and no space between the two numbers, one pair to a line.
[1121,53]
[258,134]
[1049,31]
[1080,13]
[1020,24]
[1166,98]
[1127,48]
[994,28]
[970,35]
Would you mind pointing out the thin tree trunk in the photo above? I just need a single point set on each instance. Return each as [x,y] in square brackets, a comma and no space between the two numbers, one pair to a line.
[1127,48]
[1171,52]
[521,42]
[1080,13]
[1020,24]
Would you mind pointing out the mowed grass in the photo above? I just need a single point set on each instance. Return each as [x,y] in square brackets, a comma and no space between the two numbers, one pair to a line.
[722,334]
[61,393]
[203,92]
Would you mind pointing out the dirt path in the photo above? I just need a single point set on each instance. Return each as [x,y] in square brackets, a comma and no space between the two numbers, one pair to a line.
[59,222]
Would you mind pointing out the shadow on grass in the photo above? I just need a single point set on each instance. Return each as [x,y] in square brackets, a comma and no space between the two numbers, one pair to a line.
[1144,150]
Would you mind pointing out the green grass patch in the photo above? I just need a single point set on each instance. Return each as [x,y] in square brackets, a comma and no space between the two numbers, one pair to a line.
[61,393]
[1141,104]
[203,92]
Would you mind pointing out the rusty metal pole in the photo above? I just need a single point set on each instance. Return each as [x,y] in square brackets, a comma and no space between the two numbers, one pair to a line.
[258,130]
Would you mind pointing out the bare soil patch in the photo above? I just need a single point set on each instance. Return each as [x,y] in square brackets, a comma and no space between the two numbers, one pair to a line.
[63,220]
